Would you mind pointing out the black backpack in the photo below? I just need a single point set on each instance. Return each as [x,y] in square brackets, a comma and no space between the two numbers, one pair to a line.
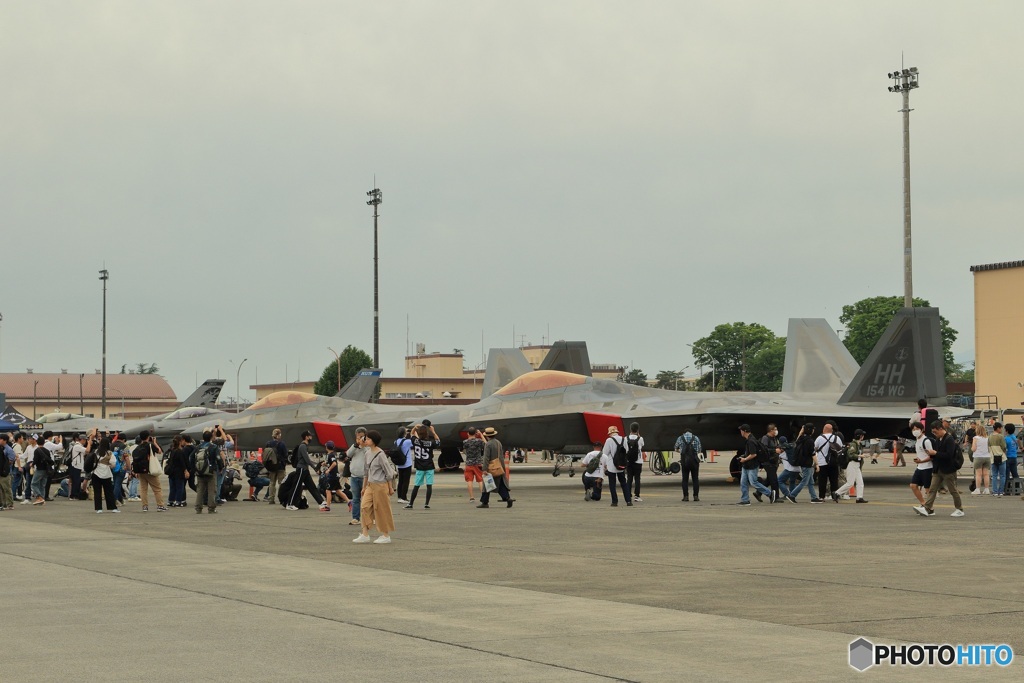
[270,458]
[5,465]
[633,449]
[140,459]
[621,457]
[91,460]
[764,456]
[293,460]
[689,449]
[834,450]
[958,455]
[396,455]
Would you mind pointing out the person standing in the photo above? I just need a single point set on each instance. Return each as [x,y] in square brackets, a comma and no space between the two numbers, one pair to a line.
[826,449]
[635,459]
[332,476]
[611,447]
[177,473]
[206,462]
[147,479]
[376,494]
[688,448]
[997,450]
[423,460]
[493,451]
[854,475]
[103,477]
[403,443]
[943,454]
[922,477]
[42,465]
[1011,452]
[771,468]
[78,451]
[357,453]
[749,463]
[7,462]
[275,460]
[473,450]
[982,459]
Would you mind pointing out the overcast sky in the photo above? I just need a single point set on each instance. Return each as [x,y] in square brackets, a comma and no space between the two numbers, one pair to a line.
[627,173]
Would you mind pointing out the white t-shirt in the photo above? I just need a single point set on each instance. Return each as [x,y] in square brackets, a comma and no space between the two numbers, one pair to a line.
[981,447]
[599,472]
[822,444]
[19,455]
[640,448]
[78,456]
[611,444]
[921,446]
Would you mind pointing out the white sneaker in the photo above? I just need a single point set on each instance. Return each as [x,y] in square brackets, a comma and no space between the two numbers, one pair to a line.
[403,501]
[383,539]
[361,539]
[99,512]
[976,492]
[957,513]
[26,501]
[638,499]
[845,496]
[921,510]
[290,507]
[986,491]
[115,510]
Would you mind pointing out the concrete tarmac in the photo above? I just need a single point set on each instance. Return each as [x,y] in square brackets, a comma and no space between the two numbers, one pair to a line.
[554,589]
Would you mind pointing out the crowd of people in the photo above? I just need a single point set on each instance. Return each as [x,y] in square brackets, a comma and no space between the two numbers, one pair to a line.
[111,472]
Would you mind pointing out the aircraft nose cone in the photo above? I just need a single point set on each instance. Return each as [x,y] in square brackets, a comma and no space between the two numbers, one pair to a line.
[137,429]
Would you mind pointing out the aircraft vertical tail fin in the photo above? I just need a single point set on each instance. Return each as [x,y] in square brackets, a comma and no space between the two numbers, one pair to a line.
[361,386]
[206,395]
[503,366]
[816,359]
[906,364]
[568,357]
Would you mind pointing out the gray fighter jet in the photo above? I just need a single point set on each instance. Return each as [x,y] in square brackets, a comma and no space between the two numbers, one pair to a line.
[568,412]
[201,399]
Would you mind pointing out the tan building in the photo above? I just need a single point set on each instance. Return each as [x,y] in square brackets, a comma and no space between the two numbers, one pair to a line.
[999,332]
[129,396]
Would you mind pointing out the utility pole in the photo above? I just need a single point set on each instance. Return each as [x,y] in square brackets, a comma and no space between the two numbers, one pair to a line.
[376,197]
[104,276]
[905,80]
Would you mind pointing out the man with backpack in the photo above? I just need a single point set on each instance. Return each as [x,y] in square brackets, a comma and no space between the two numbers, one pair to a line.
[7,460]
[754,453]
[206,462]
[275,459]
[827,448]
[75,467]
[947,459]
[141,458]
[853,461]
[688,448]
[616,460]
[593,473]
[634,460]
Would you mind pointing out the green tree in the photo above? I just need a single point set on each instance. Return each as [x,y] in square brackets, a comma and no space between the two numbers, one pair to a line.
[731,347]
[866,320]
[764,370]
[668,379]
[142,369]
[634,376]
[352,361]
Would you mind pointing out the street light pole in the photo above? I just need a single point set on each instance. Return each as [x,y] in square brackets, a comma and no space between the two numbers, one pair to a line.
[905,80]
[104,276]
[122,400]
[237,388]
[376,197]
[337,359]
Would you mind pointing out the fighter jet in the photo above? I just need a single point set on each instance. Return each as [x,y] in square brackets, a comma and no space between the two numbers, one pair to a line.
[67,423]
[568,412]
[296,411]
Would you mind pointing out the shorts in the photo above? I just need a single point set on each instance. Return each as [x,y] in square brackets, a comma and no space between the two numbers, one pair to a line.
[982,463]
[333,483]
[473,473]
[922,478]
[424,476]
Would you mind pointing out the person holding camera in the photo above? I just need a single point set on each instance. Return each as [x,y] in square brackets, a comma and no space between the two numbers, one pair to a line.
[141,467]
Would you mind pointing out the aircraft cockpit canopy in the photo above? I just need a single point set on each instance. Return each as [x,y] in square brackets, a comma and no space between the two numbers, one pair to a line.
[58,417]
[188,413]
[540,380]
[283,398]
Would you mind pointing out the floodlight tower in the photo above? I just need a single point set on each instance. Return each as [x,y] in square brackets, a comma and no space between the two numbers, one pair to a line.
[375,196]
[905,80]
